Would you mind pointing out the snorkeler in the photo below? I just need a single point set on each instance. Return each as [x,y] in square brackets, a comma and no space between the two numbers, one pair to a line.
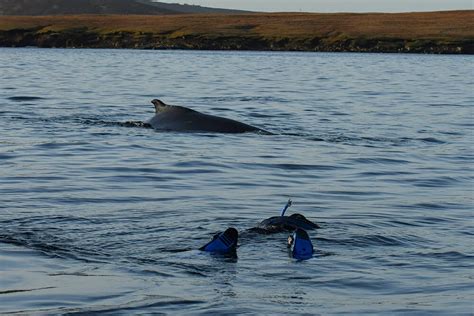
[299,243]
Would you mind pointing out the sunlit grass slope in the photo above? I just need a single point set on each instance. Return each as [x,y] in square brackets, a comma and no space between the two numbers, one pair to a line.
[279,31]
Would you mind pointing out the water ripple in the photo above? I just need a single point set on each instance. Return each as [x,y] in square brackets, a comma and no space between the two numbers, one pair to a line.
[377,148]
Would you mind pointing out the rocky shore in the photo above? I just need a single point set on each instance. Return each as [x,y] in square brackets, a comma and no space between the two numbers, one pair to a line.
[277,32]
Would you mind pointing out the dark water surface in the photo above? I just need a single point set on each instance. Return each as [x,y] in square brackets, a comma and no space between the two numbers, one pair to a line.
[97,216]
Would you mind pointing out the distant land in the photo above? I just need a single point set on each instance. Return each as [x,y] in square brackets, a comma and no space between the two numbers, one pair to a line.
[428,32]
[71,7]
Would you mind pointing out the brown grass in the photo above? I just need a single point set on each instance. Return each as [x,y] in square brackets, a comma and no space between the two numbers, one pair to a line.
[447,25]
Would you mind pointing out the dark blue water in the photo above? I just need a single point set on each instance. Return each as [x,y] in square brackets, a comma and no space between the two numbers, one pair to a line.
[98,216]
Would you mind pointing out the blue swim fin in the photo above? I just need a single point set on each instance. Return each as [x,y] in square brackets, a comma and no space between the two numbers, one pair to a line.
[223,242]
[300,245]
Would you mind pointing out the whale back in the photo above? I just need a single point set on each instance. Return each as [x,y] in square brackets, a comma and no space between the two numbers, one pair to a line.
[181,119]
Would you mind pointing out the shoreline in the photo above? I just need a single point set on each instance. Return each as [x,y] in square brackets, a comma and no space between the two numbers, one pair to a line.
[448,32]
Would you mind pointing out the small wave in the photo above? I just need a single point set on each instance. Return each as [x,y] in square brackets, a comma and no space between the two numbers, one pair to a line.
[133,124]
[383,161]
[200,164]
[366,240]
[317,139]
[55,145]
[355,140]
[378,240]
[6,156]
[447,105]
[24,98]
[290,166]
[50,220]
[20,118]
[385,173]
[397,223]
[82,120]
[432,140]
[26,290]
[259,115]
[434,183]
[147,272]
[51,246]
[87,120]
[139,306]
[352,193]
[101,122]
[428,206]
[335,113]
[364,140]
[256,99]
[447,255]
[434,220]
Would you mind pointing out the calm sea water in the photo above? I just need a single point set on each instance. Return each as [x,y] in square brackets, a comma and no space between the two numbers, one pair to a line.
[99,217]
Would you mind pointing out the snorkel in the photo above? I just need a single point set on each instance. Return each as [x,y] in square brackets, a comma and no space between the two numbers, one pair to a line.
[288,204]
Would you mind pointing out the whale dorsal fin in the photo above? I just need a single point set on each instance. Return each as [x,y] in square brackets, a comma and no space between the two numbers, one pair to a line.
[159,105]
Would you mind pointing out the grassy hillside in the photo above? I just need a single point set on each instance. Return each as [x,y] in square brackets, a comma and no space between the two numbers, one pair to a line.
[62,7]
[437,32]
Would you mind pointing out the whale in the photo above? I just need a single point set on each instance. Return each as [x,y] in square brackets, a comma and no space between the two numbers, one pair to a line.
[277,224]
[177,118]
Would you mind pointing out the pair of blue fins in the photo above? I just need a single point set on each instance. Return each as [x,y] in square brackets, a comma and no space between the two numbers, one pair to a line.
[299,244]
